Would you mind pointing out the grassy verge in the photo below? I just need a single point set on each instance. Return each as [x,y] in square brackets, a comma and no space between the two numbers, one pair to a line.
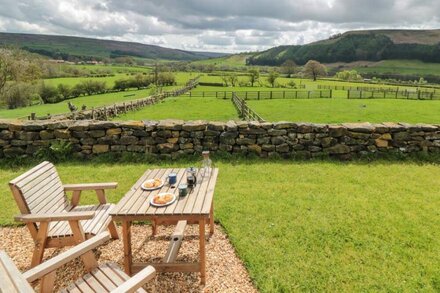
[308,226]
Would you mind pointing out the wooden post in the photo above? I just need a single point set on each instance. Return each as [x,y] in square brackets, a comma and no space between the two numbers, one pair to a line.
[246,95]
[33,116]
[284,94]
[348,94]
[258,95]
[271,95]
[331,94]
[308,95]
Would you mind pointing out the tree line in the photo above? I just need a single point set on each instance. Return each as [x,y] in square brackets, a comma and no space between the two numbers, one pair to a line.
[21,85]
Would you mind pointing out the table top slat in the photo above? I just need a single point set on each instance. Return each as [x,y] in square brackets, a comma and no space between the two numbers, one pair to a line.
[210,190]
[198,203]
[143,196]
[136,202]
[181,179]
[128,201]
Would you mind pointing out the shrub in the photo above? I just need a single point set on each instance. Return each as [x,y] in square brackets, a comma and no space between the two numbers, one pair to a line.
[49,94]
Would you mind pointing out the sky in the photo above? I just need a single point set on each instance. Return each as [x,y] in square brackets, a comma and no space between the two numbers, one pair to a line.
[219,26]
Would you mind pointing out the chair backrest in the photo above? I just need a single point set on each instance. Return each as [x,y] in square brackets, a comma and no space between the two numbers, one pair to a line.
[39,190]
[11,279]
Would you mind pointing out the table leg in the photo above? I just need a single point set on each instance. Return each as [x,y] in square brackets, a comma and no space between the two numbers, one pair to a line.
[153,227]
[202,256]
[126,236]
[211,219]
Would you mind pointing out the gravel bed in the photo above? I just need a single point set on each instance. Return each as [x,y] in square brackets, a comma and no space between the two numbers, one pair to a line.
[225,271]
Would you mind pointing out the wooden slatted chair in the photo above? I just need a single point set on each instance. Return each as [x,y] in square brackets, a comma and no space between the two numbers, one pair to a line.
[106,277]
[51,219]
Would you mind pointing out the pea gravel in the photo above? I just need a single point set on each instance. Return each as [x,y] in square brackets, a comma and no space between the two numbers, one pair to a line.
[225,271]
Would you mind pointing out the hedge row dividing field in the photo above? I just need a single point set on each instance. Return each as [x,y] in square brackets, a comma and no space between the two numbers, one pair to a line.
[315,226]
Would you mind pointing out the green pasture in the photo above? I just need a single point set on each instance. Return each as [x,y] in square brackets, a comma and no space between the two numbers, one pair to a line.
[309,226]
[410,67]
[186,108]
[344,110]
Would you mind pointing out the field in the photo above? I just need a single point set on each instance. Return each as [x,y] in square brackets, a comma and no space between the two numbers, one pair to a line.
[186,108]
[343,110]
[89,101]
[236,60]
[410,67]
[315,226]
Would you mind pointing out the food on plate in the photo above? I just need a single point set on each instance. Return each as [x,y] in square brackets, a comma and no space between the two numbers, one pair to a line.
[163,198]
[152,183]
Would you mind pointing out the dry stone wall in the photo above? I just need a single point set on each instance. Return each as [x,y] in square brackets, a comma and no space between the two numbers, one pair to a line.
[173,138]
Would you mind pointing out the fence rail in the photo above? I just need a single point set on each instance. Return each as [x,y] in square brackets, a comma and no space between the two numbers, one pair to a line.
[407,95]
[262,95]
[403,89]
[243,109]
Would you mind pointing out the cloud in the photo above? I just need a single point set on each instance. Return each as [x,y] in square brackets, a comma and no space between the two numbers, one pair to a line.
[227,25]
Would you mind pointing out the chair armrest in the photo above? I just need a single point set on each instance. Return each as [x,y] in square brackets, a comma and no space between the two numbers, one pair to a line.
[52,264]
[68,216]
[137,281]
[90,186]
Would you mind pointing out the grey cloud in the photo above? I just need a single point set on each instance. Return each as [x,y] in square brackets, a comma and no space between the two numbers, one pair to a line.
[228,25]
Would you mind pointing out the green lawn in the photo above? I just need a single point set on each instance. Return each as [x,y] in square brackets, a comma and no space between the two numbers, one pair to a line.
[186,108]
[343,110]
[309,226]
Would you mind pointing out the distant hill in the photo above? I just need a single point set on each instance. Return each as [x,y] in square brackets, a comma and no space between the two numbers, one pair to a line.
[67,47]
[367,45]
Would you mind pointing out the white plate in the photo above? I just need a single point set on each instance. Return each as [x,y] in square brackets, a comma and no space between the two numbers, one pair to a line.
[166,204]
[151,188]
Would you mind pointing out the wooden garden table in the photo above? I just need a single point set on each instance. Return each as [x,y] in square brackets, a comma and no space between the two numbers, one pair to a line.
[195,208]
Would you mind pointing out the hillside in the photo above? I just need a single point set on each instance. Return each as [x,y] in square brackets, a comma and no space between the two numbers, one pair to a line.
[368,45]
[235,60]
[67,47]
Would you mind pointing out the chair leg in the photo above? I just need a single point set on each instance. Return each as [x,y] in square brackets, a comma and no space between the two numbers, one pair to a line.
[112,230]
[40,244]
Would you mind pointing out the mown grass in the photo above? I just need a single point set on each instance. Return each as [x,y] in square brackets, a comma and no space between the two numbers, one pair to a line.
[344,110]
[186,108]
[308,226]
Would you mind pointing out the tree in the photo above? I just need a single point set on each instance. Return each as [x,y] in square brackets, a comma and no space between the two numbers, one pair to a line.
[17,66]
[254,75]
[49,93]
[233,79]
[348,75]
[273,75]
[288,68]
[314,69]
[64,91]
[225,79]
